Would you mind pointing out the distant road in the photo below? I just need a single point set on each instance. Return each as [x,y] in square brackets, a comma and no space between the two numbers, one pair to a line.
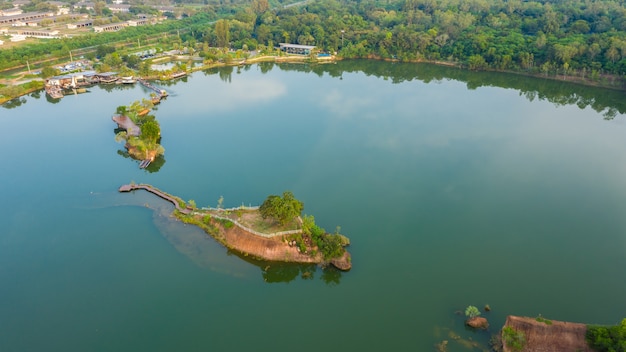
[296,4]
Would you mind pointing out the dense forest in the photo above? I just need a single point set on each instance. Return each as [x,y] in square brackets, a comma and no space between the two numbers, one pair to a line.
[579,38]
[585,38]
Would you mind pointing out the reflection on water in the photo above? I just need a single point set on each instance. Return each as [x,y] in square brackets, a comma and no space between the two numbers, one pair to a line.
[14,103]
[278,272]
[154,166]
[607,102]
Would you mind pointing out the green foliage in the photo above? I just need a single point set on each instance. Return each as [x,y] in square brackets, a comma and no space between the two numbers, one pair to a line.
[607,338]
[48,72]
[226,223]
[14,91]
[513,339]
[282,209]
[543,320]
[471,312]
[330,245]
[150,131]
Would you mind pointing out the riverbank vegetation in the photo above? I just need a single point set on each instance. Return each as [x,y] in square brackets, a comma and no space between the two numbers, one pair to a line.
[8,92]
[312,239]
[607,338]
[564,39]
[574,40]
[144,144]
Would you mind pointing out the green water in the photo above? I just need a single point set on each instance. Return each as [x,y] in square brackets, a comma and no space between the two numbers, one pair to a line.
[456,188]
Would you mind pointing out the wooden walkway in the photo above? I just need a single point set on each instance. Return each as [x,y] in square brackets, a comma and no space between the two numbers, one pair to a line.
[132,187]
[161,93]
[127,124]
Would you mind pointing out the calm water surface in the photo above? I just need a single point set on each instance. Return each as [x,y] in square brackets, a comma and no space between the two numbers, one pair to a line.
[456,189]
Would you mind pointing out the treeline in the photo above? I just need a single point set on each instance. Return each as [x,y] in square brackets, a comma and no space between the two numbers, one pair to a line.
[579,38]
[607,338]
[584,38]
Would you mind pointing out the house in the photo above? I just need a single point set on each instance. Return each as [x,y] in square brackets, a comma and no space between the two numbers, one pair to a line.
[20,3]
[18,38]
[11,12]
[27,17]
[86,5]
[38,34]
[112,27]
[296,48]
[81,24]
[119,8]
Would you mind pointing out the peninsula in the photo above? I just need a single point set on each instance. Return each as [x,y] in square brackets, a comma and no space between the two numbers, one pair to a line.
[274,231]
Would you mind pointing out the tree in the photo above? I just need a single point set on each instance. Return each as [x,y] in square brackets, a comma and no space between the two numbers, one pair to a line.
[513,339]
[98,7]
[282,209]
[471,312]
[150,131]
[222,32]
[260,6]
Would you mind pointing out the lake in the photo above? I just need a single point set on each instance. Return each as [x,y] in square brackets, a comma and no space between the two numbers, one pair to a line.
[456,188]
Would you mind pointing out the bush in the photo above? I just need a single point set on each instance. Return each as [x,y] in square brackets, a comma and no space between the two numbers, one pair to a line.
[513,339]
[471,312]
[607,338]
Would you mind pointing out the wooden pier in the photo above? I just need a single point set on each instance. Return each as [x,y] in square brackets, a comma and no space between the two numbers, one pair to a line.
[132,187]
[161,93]
[126,123]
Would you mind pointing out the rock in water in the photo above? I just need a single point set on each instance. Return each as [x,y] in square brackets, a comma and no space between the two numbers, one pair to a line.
[477,323]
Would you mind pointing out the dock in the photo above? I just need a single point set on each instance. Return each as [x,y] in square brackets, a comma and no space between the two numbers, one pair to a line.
[161,93]
[144,163]
[149,188]
[54,92]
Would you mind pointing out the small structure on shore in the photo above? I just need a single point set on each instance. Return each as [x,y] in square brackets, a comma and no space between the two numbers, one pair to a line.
[126,123]
[296,48]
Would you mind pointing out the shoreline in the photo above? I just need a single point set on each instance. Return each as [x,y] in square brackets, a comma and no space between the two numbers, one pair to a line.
[572,79]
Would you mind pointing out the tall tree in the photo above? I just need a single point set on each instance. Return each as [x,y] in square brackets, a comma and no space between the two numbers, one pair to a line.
[282,209]
[222,32]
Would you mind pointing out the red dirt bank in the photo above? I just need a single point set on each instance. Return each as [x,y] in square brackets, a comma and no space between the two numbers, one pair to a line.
[272,249]
[556,337]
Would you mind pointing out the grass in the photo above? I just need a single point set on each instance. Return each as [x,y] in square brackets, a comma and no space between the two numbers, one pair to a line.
[254,220]
[543,320]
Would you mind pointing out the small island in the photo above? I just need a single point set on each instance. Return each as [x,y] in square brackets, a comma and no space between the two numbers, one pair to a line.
[139,130]
[274,231]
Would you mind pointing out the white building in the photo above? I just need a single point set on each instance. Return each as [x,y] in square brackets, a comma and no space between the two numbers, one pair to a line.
[11,12]
[18,38]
